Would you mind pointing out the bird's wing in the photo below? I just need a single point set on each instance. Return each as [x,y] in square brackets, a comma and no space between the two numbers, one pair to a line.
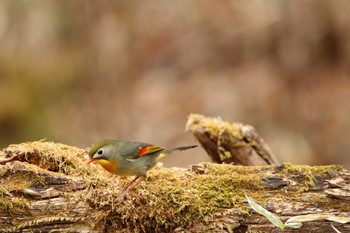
[148,150]
[137,149]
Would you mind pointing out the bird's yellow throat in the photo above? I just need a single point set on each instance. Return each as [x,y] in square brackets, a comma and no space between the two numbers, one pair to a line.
[108,165]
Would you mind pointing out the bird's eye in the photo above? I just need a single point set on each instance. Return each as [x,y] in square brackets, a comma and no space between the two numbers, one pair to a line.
[100,152]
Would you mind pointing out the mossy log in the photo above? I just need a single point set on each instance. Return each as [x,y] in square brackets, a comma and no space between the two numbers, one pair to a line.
[230,142]
[46,186]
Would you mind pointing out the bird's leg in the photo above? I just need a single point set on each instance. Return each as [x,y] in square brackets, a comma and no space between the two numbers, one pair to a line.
[132,184]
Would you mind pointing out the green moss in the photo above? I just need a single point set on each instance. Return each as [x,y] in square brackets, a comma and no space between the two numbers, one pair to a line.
[216,126]
[12,204]
[306,175]
[297,169]
[187,198]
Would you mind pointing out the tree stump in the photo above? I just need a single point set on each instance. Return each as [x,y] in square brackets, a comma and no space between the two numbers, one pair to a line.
[230,142]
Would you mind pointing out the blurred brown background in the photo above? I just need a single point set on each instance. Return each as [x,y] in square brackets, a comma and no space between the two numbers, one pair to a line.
[79,71]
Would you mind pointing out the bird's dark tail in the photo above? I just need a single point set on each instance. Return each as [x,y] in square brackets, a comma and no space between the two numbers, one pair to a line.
[179,148]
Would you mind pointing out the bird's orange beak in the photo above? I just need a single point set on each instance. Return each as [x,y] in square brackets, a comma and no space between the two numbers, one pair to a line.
[90,160]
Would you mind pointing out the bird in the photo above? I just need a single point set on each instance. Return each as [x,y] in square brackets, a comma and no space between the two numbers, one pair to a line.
[127,158]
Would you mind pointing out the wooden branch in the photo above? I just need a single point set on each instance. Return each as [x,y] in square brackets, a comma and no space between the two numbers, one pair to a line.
[230,143]
[48,188]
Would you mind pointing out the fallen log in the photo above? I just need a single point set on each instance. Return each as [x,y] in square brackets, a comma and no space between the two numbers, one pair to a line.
[46,186]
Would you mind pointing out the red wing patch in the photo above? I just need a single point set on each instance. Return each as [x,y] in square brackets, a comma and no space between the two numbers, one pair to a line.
[149,149]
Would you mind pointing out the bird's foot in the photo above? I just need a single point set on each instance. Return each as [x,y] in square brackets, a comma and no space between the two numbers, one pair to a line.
[127,189]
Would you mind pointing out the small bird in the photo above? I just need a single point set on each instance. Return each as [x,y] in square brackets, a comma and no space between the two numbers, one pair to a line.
[125,158]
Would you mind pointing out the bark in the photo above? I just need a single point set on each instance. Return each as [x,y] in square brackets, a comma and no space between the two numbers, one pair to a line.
[46,187]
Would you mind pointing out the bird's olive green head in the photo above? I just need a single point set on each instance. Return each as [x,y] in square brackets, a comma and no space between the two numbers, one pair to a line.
[104,149]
